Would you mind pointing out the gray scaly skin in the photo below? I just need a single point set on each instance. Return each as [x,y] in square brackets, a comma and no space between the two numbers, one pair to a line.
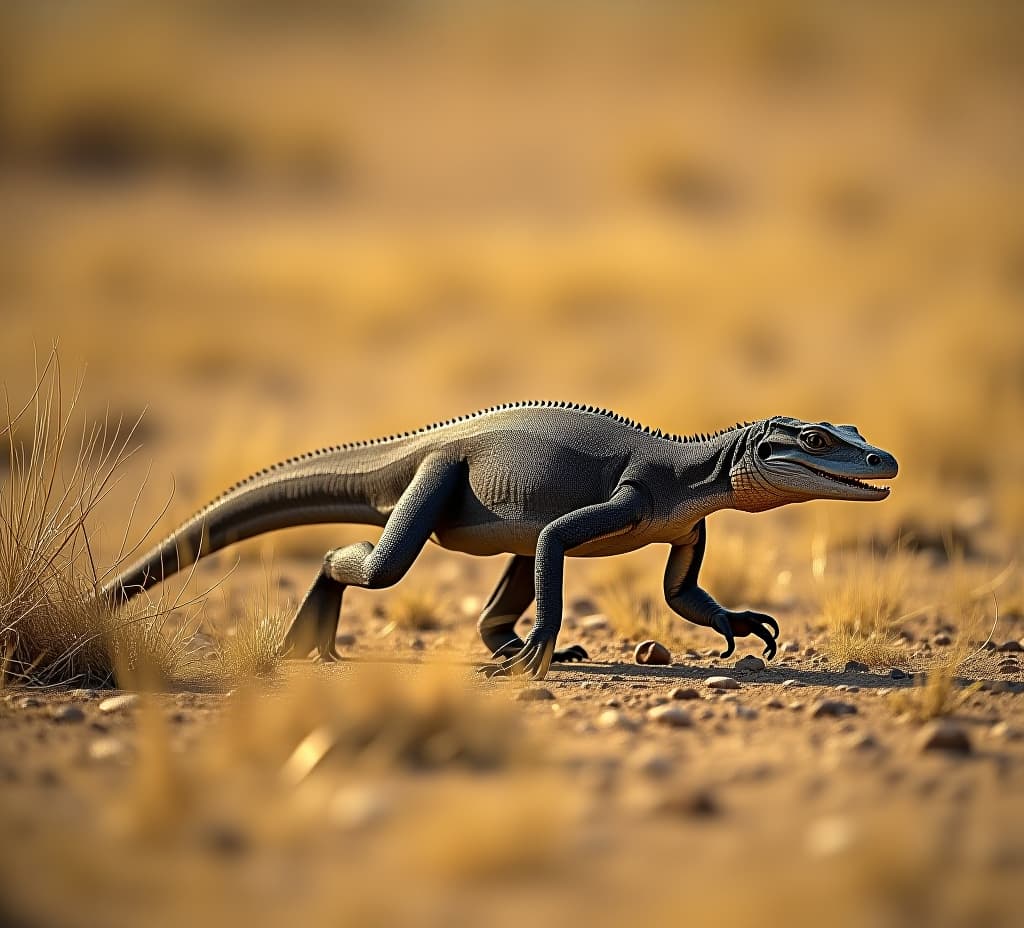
[540,481]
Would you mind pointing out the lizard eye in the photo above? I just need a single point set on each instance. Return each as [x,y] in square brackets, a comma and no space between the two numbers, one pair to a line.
[814,441]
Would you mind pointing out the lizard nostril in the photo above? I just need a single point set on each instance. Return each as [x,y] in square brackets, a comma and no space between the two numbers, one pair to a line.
[873,460]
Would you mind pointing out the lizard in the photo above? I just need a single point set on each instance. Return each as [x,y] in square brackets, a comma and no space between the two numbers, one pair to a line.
[537,480]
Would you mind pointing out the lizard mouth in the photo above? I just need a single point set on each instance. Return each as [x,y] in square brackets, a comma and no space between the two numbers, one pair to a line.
[880,491]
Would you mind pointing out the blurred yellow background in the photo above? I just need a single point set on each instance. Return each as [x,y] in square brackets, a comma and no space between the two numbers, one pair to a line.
[280,225]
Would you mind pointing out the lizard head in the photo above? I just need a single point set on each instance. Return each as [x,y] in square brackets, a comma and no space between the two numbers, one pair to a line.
[788,460]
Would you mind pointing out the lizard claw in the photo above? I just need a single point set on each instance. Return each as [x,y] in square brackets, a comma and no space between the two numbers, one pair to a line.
[721,625]
[532,660]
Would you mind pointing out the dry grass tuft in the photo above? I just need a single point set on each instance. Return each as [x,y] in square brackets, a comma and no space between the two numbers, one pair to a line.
[53,627]
[740,573]
[419,609]
[250,649]
[863,608]
[635,612]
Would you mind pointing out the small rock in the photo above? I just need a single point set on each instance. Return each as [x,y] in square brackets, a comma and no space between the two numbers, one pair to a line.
[534,694]
[656,766]
[792,683]
[789,647]
[68,714]
[698,803]
[612,718]
[774,704]
[683,692]
[943,735]
[810,652]
[595,623]
[416,644]
[116,703]
[856,667]
[345,640]
[750,664]
[796,706]
[722,683]
[832,708]
[1010,646]
[104,749]
[942,639]
[1006,732]
[895,673]
[29,702]
[746,712]
[652,652]
[673,716]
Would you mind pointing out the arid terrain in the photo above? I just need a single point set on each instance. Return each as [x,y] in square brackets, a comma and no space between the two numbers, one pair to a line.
[257,233]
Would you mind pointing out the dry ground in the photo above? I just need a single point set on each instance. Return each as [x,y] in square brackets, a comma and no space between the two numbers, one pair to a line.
[276,234]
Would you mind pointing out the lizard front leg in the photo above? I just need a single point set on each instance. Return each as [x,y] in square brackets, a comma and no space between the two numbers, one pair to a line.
[687,599]
[619,514]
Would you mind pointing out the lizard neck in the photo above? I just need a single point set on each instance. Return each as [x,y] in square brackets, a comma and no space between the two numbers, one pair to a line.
[701,474]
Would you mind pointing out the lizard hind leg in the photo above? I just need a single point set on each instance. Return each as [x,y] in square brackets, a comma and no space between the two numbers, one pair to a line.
[316,621]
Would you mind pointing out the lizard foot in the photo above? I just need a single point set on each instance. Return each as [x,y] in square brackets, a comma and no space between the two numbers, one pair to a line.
[532,660]
[572,654]
[328,656]
[731,624]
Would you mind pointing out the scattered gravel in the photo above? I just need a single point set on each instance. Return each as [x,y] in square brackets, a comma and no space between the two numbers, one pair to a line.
[832,708]
[943,735]
[722,683]
[652,652]
[534,694]
[673,716]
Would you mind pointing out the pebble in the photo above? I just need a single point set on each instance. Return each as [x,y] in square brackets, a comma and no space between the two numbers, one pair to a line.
[673,716]
[895,673]
[746,712]
[1006,731]
[107,749]
[612,718]
[683,692]
[652,652]
[116,703]
[750,664]
[655,766]
[534,694]
[789,647]
[942,639]
[1010,646]
[722,683]
[856,667]
[792,683]
[796,706]
[345,640]
[810,652]
[698,803]
[832,708]
[595,623]
[29,702]
[943,735]
[774,704]
[68,714]
[863,742]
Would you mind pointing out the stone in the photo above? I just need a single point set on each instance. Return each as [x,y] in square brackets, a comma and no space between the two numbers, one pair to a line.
[746,712]
[672,716]
[1010,646]
[595,623]
[117,703]
[655,766]
[1006,732]
[612,718]
[697,803]
[104,749]
[69,714]
[943,735]
[750,664]
[788,684]
[722,683]
[789,647]
[683,692]
[652,652]
[895,673]
[832,708]
[345,640]
[942,639]
[534,694]
[774,704]
[856,667]
[29,702]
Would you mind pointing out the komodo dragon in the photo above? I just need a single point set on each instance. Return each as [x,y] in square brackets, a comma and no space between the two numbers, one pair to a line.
[537,480]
